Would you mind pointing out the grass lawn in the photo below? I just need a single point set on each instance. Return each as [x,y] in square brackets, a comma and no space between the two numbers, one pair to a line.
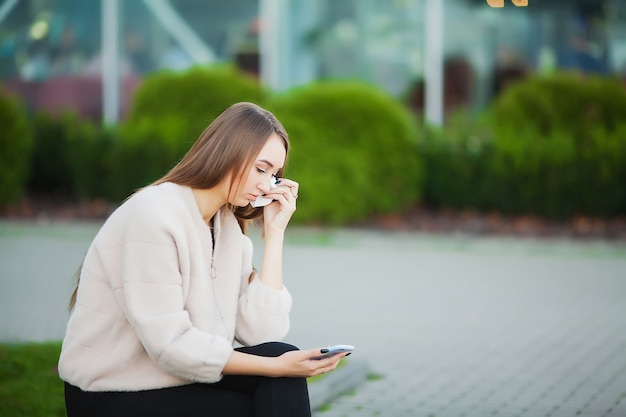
[29,382]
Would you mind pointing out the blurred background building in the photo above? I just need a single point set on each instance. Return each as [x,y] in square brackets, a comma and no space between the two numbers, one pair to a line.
[51,51]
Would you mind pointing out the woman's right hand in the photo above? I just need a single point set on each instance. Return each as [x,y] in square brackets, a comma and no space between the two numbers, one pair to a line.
[304,363]
[293,364]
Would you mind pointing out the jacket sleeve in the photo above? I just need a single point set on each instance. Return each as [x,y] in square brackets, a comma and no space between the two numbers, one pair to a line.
[263,312]
[152,297]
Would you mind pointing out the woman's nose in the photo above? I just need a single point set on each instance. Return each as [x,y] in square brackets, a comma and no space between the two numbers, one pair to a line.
[264,188]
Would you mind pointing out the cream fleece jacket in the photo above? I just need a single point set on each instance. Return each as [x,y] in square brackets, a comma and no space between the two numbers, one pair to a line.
[148,314]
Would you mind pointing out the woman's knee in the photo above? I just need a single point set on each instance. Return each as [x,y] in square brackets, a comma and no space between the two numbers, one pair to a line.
[282,347]
[269,349]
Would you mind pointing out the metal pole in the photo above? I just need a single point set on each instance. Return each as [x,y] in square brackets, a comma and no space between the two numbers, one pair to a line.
[269,43]
[6,8]
[434,62]
[110,62]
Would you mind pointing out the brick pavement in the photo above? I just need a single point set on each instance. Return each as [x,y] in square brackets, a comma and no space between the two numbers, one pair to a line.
[469,327]
[451,326]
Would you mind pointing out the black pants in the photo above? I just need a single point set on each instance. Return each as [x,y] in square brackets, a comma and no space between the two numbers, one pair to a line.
[233,396]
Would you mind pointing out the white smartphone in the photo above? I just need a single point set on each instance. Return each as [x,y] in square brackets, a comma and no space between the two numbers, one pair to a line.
[263,201]
[335,349]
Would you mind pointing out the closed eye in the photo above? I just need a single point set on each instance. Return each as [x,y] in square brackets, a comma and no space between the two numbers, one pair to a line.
[261,170]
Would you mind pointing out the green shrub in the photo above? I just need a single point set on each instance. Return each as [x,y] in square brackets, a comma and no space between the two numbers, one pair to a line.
[90,161]
[15,149]
[197,96]
[169,111]
[533,176]
[560,143]
[50,165]
[142,152]
[557,176]
[68,156]
[489,165]
[455,164]
[562,102]
[601,172]
[353,151]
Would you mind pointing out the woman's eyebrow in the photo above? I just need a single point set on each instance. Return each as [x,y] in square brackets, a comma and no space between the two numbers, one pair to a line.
[266,162]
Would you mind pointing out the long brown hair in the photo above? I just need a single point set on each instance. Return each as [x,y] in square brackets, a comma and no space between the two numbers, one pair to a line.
[229,145]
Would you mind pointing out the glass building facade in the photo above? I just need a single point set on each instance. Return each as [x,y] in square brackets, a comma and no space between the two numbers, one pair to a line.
[51,50]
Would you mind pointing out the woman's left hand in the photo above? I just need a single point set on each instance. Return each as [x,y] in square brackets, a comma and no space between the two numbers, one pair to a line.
[277,214]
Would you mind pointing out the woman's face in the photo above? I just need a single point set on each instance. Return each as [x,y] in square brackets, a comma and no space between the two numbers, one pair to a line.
[257,181]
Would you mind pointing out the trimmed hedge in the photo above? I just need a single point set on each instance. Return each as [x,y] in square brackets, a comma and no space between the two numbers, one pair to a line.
[197,96]
[353,151]
[15,149]
[494,166]
[69,156]
[144,151]
[543,148]
[454,157]
[562,102]
[561,147]
[50,166]
[170,110]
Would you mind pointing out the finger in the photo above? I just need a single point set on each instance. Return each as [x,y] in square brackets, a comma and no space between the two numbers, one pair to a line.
[280,190]
[328,363]
[300,356]
[322,367]
[283,196]
[289,183]
[293,191]
[316,354]
[282,199]
[293,186]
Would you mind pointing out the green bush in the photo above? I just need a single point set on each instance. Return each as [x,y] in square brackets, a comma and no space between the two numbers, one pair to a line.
[455,164]
[169,111]
[557,176]
[15,149]
[490,165]
[90,161]
[142,152]
[560,145]
[601,172]
[197,96]
[353,151]
[562,102]
[68,156]
[532,176]
[53,136]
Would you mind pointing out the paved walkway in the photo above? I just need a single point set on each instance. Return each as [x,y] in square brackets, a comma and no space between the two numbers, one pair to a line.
[450,326]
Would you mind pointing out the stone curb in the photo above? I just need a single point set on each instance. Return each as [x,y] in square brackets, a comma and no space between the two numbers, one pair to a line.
[341,380]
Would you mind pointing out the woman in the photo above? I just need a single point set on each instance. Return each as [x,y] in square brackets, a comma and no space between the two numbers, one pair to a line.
[168,285]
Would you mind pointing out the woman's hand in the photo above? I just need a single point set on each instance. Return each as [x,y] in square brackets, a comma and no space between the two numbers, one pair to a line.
[303,363]
[276,215]
[293,364]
